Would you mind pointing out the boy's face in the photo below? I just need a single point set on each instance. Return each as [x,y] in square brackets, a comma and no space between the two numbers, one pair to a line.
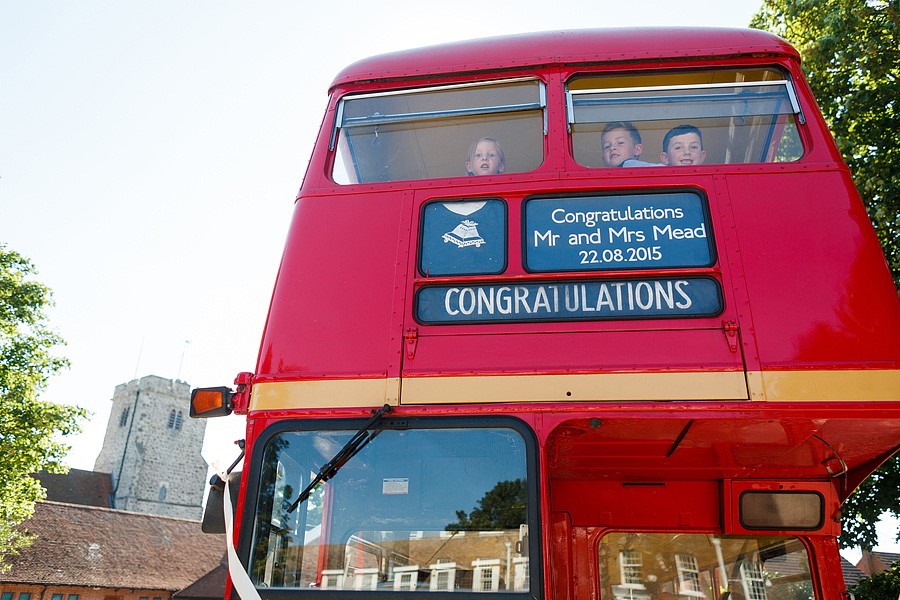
[485,160]
[685,149]
[618,146]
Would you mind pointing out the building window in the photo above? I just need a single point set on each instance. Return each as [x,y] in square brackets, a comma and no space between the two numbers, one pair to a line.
[73,596]
[6,596]
[56,597]
[24,595]
[123,418]
[630,569]
[753,580]
[688,575]
[176,417]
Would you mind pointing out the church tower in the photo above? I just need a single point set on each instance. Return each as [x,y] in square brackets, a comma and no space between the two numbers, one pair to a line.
[152,449]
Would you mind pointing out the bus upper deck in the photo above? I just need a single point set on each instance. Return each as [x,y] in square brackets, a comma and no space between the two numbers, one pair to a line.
[752,275]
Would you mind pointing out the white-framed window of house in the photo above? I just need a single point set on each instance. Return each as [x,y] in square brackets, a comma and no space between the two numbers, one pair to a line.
[753,581]
[688,576]
[406,578]
[486,575]
[443,577]
[630,567]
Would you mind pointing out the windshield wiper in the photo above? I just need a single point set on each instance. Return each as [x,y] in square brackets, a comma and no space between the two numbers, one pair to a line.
[350,449]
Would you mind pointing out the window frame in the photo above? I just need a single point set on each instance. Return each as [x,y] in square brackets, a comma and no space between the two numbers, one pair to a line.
[343,122]
[779,122]
[784,83]
[532,474]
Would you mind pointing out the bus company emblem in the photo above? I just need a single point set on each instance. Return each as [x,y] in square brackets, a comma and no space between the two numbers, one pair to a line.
[463,237]
[464,234]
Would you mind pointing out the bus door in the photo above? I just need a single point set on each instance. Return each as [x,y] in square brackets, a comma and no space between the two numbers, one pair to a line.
[571,296]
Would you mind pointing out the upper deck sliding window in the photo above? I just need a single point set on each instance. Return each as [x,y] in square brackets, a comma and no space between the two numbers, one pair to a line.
[426,133]
[744,116]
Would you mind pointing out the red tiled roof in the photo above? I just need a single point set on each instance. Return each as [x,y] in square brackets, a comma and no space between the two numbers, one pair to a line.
[876,562]
[851,573]
[78,487]
[99,547]
[211,585]
[888,558]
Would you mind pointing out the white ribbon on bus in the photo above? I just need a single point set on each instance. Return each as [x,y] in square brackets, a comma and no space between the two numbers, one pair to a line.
[240,580]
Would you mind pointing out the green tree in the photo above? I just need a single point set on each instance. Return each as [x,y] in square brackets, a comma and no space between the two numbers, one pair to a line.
[881,586]
[879,494]
[29,427]
[501,507]
[851,57]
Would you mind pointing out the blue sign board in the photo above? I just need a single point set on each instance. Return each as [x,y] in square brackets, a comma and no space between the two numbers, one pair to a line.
[463,238]
[599,233]
[570,300]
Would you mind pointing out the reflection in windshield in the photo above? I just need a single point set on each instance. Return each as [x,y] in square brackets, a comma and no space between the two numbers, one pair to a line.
[660,566]
[417,509]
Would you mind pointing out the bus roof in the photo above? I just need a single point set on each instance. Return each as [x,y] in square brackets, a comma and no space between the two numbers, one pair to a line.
[613,45]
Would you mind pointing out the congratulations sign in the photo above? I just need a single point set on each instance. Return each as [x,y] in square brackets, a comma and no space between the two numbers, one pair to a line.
[596,233]
[570,301]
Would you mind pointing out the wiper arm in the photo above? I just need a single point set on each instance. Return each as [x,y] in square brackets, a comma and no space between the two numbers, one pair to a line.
[350,449]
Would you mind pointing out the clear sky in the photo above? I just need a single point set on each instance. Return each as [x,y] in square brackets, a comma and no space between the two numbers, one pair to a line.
[150,152]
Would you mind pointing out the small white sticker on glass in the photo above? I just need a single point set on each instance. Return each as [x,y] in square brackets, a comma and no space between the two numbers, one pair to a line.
[395,485]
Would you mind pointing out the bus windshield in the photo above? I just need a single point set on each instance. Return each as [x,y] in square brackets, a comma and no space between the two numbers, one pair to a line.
[661,566]
[429,509]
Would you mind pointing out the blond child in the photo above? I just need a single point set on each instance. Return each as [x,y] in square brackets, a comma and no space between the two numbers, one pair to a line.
[485,157]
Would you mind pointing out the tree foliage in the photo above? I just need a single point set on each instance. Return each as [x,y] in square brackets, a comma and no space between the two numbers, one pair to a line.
[879,494]
[29,427]
[501,507]
[880,586]
[851,57]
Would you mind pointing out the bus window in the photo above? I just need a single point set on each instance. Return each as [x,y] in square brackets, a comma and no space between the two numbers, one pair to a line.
[417,509]
[660,566]
[743,116]
[426,133]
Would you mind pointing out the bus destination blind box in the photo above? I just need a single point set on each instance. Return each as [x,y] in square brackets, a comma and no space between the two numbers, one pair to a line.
[782,510]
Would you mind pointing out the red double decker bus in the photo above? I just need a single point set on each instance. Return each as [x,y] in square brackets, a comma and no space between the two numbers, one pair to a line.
[568,315]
